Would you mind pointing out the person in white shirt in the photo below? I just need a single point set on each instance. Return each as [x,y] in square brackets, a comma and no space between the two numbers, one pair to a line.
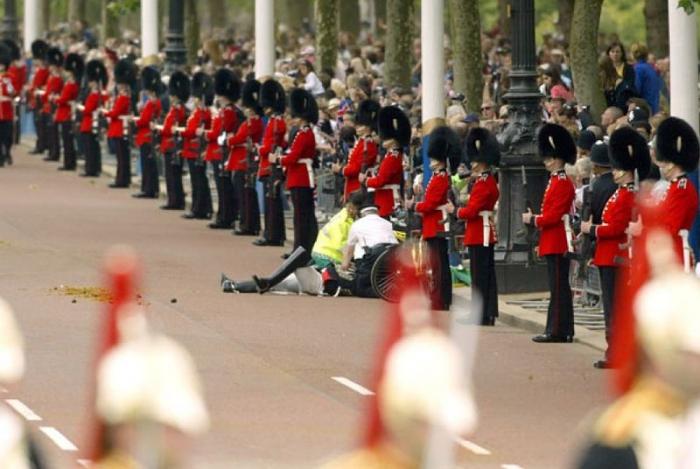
[312,83]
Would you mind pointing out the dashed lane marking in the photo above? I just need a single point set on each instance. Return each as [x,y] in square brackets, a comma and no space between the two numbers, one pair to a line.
[59,439]
[352,385]
[23,410]
[473,447]
[85,462]
[510,466]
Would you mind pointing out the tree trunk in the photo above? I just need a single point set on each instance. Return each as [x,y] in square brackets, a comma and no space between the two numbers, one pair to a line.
[293,12]
[217,14]
[110,22]
[76,10]
[566,10]
[504,17]
[656,15]
[191,30]
[349,16]
[584,54]
[465,29]
[380,16]
[45,6]
[327,35]
[399,39]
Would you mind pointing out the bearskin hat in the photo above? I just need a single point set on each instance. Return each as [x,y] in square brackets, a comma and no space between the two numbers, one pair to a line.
[14,48]
[75,65]
[227,84]
[54,56]
[599,154]
[555,141]
[677,142]
[39,49]
[367,113]
[125,72]
[150,79]
[272,95]
[5,55]
[303,105]
[482,147]
[393,123]
[96,71]
[179,85]
[445,146]
[203,87]
[628,151]
[250,95]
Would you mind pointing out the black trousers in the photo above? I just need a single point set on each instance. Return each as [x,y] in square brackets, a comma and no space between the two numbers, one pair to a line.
[69,158]
[222,182]
[173,180]
[201,195]
[17,125]
[608,281]
[237,194]
[40,126]
[250,211]
[274,211]
[149,171]
[361,285]
[121,148]
[441,288]
[483,274]
[5,141]
[52,139]
[305,224]
[93,154]
[560,313]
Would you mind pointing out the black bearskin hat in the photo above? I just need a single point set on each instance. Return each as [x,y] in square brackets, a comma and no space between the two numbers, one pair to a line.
[677,142]
[5,55]
[203,87]
[394,124]
[599,154]
[96,71]
[125,72]
[367,113]
[14,48]
[555,141]
[628,151]
[39,49]
[250,95]
[150,79]
[179,85]
[54,56]
[482,147]
[272,95]
[227,84]
[303,105]
[444,146]
[75,65]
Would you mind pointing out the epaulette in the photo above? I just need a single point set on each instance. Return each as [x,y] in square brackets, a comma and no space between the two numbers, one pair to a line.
[682,183]
[562,175]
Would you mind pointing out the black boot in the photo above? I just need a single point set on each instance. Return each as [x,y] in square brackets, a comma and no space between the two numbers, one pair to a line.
[299,258]
[230,286]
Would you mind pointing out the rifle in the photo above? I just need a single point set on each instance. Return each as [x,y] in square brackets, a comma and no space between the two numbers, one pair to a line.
[276,172]
[586,246]
[529,229]
[251,168]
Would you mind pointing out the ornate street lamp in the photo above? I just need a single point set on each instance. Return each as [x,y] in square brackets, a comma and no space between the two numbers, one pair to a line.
[175,52]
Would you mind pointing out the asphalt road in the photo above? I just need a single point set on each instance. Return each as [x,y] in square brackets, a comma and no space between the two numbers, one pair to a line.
[267,362]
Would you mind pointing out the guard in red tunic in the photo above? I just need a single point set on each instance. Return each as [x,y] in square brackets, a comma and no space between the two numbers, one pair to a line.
[556,147]
[629,154]
[150,114]
[242,161]
[480,233]
[364,153]
[65,109]
[35,92]
[444,147]
[677,153]
[117,117]
[299,161]
[179,91]
[54,84]
[224,123]
[97,79]
[273,103]
[395,132]
[7,94]
[17,72]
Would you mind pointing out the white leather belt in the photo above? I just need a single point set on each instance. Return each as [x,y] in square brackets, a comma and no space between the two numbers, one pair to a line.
[445,217]
[686,250]
[486,226]
[569,233]
[309,169]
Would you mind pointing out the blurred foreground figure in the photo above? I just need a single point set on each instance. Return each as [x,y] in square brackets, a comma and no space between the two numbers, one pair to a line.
[17,450]
[656,348]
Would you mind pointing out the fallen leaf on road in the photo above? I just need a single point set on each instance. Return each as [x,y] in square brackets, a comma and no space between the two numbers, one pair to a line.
[173,300]
[4,244]
[99,294]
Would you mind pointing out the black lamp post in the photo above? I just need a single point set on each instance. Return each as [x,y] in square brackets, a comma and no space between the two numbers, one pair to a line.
[8,27]
[175,52]
[522,175]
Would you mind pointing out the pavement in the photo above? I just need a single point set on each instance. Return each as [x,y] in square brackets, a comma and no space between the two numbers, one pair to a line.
[285,376]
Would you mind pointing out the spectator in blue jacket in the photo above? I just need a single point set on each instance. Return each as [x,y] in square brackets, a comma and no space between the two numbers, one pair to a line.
[647,81]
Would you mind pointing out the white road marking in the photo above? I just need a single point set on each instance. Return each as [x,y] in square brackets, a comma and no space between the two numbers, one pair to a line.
[23,410]
[352,385]
[85,462]
[510,466]
[59,439]
[473,447]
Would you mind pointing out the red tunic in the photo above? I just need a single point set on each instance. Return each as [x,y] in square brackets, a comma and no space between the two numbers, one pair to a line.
[18,76]
[64,103]
[92,102]
[434,217]
[41,75]
[275,131]
[680,207]
[363,154]
[53,86]
[150,112]
[556,203]
[299,159]
[121,107]
[174,118]
[483,198]
[251,128]
[610,235]
[387,183]
[191,142]
[7,109]
[224,121]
